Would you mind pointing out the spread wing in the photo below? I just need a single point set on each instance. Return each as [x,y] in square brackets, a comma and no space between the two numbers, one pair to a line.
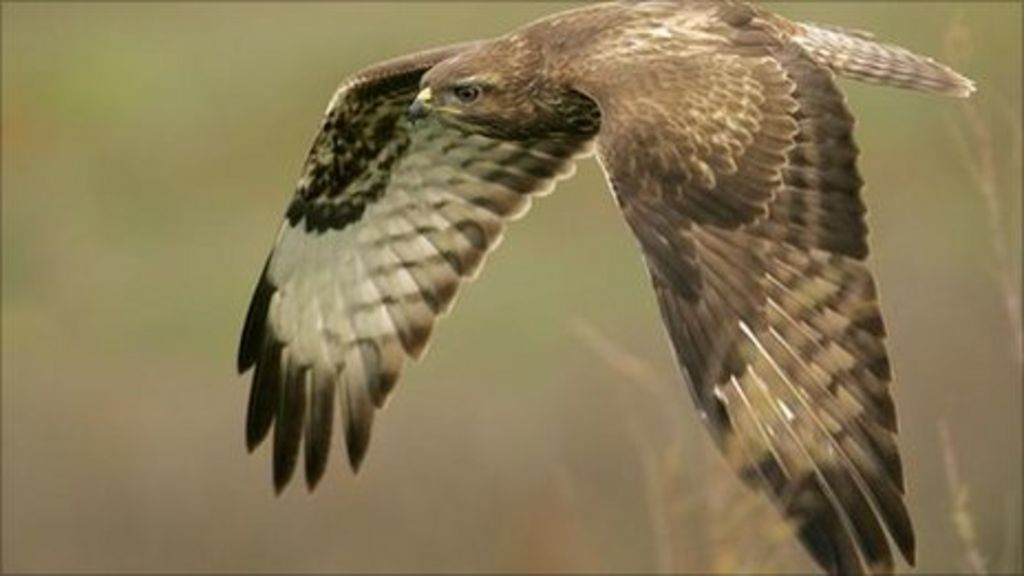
[733,162]
[388,219]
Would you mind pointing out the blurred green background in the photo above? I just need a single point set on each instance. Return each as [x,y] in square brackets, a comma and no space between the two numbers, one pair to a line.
[148,154]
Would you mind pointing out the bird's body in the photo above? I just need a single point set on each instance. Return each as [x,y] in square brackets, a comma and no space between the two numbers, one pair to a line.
[729,148]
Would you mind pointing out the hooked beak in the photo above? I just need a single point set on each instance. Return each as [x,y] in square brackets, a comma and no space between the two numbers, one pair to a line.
[420,106]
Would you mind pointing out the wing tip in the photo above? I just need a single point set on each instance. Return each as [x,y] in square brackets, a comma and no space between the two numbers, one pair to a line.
[910,556]
[264,395]
[284,469]
[964,88]
[907,544]
[279,485]
[258,421]
[252,440]
[356,447]
[315,470]
[254,328]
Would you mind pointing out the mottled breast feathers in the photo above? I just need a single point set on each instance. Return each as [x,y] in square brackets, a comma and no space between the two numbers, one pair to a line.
[729,149]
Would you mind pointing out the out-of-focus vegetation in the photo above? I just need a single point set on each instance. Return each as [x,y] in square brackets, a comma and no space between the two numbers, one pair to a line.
[148,153]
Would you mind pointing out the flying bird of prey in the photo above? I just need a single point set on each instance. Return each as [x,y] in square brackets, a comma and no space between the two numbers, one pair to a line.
[729,149]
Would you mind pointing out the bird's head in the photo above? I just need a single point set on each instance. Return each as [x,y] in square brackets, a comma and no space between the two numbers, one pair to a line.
[488,91]
[471,101]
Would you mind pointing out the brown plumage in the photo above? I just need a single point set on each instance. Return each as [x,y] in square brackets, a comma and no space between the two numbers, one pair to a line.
[729,148]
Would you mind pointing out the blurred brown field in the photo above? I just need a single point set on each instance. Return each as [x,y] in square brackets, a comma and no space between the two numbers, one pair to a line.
[148,153]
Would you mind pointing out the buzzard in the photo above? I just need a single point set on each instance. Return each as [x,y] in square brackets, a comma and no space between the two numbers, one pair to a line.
[729,149]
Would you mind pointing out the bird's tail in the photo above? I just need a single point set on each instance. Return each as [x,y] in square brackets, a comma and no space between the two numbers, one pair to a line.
[860,56]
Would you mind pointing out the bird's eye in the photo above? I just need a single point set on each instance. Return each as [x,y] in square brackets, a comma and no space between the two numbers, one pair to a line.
[467,94]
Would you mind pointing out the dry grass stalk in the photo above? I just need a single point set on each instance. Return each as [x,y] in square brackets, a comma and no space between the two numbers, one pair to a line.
[743,534]
[975,140]
[974,135]
[1012,563]
[640,376]
[963,521]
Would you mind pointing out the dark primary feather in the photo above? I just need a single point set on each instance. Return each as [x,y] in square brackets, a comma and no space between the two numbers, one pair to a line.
[730,151]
